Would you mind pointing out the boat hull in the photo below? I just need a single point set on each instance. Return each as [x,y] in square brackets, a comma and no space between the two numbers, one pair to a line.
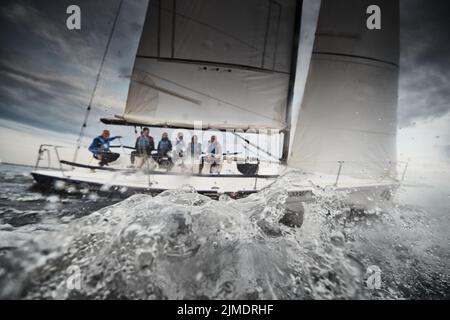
[356,194]
[112,182]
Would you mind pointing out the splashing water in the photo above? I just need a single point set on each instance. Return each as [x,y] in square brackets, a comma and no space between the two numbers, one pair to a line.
[182,245]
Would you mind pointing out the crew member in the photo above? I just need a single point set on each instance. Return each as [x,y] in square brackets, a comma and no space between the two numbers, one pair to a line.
[144,147]
[164,147]
[195,152]
[180,147]
[100,148]
[213,159]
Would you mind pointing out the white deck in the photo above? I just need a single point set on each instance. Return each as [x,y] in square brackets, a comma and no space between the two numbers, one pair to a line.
[158,181]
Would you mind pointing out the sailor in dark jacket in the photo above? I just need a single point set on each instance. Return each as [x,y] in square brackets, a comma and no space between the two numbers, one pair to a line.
[100,148]
[144,147]
[164,146]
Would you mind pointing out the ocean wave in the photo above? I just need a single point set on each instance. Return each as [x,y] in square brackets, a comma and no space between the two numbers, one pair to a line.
[182,245]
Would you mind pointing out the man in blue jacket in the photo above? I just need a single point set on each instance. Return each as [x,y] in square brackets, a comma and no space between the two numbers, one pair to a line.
[100,148]
[164,146]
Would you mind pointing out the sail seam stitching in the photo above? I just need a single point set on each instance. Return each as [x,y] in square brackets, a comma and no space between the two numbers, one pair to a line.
[356,56]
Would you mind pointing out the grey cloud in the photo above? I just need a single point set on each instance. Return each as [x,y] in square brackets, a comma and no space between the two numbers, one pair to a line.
[47,72]
[425,62]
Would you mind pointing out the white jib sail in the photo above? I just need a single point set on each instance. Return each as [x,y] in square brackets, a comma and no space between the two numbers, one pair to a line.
[349,109]
[224,63]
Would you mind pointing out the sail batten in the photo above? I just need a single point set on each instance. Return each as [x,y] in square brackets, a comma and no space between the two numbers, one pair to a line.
[224,63]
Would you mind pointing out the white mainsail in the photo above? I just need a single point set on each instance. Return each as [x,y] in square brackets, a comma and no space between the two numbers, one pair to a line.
[224,63]
[349,109]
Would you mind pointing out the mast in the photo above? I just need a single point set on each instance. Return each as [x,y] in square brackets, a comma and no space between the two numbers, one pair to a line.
[294,54]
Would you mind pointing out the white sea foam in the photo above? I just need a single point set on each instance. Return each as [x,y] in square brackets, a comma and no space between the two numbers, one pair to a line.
[183,245]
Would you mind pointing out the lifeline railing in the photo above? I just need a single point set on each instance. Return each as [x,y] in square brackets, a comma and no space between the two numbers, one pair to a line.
[341,165]
[45,148]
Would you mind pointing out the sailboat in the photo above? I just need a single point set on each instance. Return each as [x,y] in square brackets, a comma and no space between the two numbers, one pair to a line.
[230,66]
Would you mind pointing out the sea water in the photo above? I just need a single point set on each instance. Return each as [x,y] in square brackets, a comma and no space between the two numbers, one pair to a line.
[182,245]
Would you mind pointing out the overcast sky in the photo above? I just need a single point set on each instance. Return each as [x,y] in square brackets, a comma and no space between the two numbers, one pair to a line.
[47,72]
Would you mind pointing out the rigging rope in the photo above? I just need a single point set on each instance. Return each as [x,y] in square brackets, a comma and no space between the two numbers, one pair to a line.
[89,107]
[255,146]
